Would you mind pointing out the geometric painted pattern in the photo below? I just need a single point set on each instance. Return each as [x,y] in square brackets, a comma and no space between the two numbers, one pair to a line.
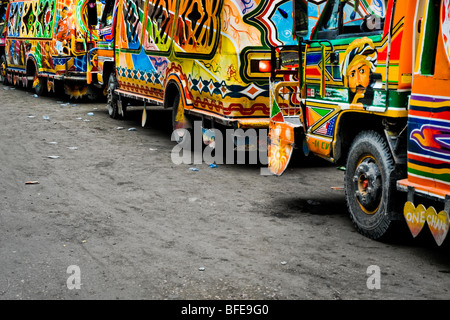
[252,91]
[327,128]
[152,77]
[205,86]
[315,114]
[80,63]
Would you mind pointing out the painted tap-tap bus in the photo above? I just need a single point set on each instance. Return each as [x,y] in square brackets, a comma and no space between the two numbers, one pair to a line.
[372,94]
[202,59]
[48,42]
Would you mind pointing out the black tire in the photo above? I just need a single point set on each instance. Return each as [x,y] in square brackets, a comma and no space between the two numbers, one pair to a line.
[59,89]
[113,98]
[370,184]
[3,75]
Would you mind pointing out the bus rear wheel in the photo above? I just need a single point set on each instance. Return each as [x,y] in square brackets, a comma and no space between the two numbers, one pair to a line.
[40,86]
[112,97]
[369,184]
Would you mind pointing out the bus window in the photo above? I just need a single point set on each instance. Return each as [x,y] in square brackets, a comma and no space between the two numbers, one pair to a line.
[108,11]
[134,21]
[3,6]
[328,25]
[160,21]
[198,27]
[431,38]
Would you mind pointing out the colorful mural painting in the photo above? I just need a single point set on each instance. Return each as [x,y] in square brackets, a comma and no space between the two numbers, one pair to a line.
[373,96]
[48,41]
[201,58]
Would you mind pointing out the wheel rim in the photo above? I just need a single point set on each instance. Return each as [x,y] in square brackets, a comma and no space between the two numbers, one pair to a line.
[110,91]
[368,184]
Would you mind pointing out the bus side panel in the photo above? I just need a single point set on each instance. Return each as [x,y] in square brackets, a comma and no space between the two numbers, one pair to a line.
[198,44]
[210,48]
[429,118]
[143,46]
[218,45]
[429,141]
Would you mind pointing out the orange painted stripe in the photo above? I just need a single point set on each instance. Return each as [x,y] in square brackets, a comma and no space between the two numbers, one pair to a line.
[424,186]
[106,53]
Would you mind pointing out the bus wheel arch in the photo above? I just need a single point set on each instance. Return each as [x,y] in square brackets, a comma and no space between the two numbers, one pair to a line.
[349,124]
[33,79]
[174,99]
[181,123]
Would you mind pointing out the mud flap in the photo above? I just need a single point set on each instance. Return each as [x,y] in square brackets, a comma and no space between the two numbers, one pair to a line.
[416,217]
[144,115]
[283,126]
[280,146]
[120,107]
[51,85]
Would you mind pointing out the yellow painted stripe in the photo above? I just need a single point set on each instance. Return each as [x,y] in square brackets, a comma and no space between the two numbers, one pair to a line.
[430,170]
[429,104]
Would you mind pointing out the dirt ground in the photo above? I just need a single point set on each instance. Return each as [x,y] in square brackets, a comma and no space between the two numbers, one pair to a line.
[137,226]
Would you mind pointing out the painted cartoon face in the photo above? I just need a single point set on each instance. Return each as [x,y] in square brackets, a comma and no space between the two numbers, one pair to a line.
[358,76]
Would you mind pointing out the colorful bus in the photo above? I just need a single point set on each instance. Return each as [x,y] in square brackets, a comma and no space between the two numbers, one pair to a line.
[372,95]
[428,173]
[49,42]
[204,60]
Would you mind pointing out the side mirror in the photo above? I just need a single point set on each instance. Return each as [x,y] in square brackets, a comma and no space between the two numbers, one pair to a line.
[300,18]
[92,12]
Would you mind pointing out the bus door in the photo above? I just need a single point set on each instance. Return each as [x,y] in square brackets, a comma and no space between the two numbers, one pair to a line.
[341,68]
